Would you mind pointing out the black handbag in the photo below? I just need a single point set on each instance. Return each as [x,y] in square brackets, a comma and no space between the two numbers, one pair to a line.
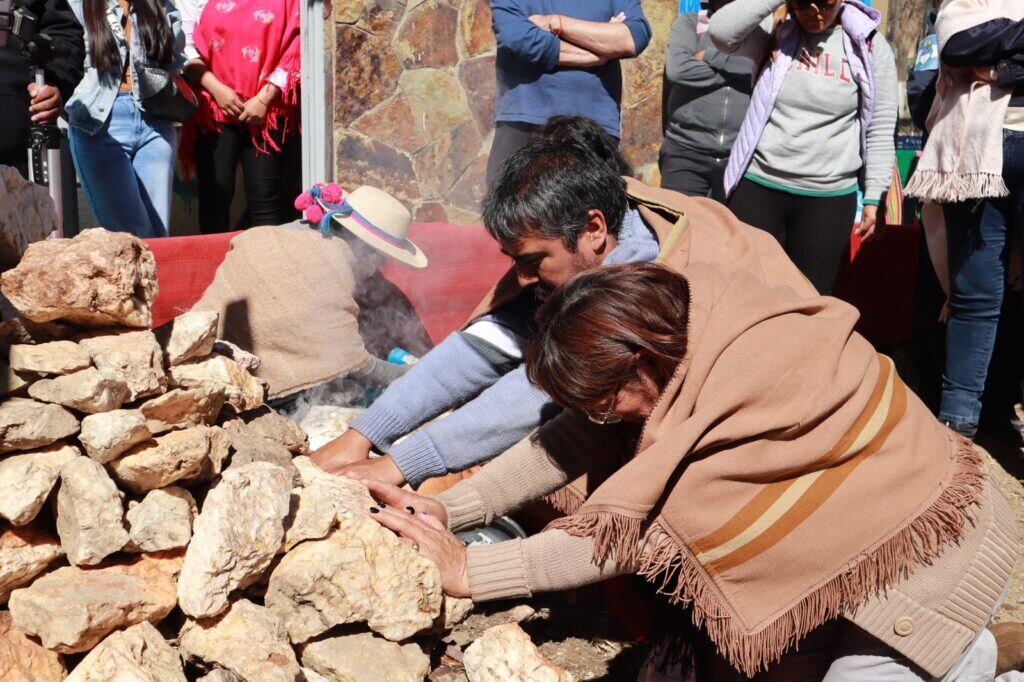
[165,95]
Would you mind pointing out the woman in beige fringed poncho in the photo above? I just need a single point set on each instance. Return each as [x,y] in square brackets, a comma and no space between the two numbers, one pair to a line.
[785,486]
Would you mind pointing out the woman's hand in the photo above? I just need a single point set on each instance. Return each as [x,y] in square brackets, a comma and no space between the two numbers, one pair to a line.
[228,100]
[254,112]
[348,448]
[868,222]
[429,536]
[378,468]
[403,500]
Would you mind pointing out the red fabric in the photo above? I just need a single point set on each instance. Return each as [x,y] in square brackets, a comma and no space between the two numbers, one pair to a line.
[184,268]
[243,42]
[465,263]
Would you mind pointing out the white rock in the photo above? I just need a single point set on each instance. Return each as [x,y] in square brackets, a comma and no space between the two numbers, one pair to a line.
[55,357]
[23,660]
[133,357]
[348,496]
[189,336]
[277,428]
[27,479]
[13,382]
[246,448]
[182,408]
[107,435]
[361,572]
[90,513]
[247,640]
[243,390]
[247,360]
[176,456]
[25,553]
[26,215]
[324,423]
[364,658]
[505,652]
[139,654]
[163,520]
[88,390]
[220,675]
[311,676]
[235,536]
[71,609]
[311,517]
[26,424]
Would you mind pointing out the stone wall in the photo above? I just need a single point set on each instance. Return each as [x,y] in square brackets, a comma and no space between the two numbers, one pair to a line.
[413,99]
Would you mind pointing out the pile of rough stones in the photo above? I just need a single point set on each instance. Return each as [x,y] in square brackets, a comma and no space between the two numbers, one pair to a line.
[159,523]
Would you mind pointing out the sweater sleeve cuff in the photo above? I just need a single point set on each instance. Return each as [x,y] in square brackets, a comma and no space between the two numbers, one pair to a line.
[380,427]
[417,458]
[497,571]
[464,505]
[872,202]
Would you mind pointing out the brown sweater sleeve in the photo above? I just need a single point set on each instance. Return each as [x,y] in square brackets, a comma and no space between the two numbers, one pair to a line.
[557,453]
[549,561]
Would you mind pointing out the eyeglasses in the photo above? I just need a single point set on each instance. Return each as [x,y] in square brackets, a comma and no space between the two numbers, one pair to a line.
[820,4]
[607,417]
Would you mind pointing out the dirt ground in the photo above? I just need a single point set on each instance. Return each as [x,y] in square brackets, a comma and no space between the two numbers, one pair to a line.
[577,630]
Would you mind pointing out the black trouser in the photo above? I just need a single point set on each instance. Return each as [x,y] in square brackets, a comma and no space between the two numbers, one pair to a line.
[271,178]
[814,231]
[508,138]
[692,173]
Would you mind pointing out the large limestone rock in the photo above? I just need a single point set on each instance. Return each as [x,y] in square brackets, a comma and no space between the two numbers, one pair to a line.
[27,479]
[182,408]
[24,553]
[246,360]
[133,357]
[189,336]
[279,429]
[246,448]
[88,391]
[243,390]
[347,496]
[90,513]
[26,424]
[13,382]
[361,572]
[97,279]
[107,435]
[311,517]
[365,658]
[139,654]
[175,456]
[23,660]
[72,608]
[505,652]
[247,640]
[235,536]
[222,675]
[27,215]
[162,521]
[54,357]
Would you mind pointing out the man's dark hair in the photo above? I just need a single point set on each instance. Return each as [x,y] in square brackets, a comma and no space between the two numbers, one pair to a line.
[588,133]
[547,188]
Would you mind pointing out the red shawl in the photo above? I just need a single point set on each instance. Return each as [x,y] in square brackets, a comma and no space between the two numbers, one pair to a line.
[243,42]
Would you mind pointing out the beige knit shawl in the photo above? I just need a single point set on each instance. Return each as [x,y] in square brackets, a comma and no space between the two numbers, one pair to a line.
[963,158]
[785,476]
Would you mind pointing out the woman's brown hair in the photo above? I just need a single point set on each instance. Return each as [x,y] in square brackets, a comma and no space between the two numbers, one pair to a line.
[592,326]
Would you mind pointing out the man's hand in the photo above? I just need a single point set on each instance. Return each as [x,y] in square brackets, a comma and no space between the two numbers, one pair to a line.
[379,468]
[868,222]
[46,103]
[254,112]
[348,448]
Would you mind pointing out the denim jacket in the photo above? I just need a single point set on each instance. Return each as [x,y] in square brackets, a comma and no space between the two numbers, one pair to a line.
[93,100]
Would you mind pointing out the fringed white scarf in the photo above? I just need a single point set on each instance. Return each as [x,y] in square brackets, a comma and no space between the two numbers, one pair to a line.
[964,156]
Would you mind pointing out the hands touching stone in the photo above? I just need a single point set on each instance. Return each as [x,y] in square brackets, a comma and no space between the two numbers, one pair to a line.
[349,448]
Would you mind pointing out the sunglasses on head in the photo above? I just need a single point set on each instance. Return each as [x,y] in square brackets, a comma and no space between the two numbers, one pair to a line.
[820,4]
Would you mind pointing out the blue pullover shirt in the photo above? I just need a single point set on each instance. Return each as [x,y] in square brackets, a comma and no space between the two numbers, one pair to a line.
[532,87]
[499,406]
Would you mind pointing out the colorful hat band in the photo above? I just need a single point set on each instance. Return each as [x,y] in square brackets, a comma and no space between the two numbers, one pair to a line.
[346,210]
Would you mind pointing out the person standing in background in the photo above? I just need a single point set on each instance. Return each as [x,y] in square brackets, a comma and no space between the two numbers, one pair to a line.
[822,115]
[124,155]
[560,64]
[709,91]
[245,55]
[22,104]
[973,165]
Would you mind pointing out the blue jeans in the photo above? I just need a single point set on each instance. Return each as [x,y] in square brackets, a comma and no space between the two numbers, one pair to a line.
[126,170]
[979,235]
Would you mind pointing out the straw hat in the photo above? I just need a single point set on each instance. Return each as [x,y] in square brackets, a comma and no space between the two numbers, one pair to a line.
[377,218]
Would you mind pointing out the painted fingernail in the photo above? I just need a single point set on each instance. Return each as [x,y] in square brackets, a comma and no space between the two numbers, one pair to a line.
[383,505]
[374,510]
[410,510]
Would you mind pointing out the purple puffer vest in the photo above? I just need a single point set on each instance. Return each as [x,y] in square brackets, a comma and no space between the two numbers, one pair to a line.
[859,23]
